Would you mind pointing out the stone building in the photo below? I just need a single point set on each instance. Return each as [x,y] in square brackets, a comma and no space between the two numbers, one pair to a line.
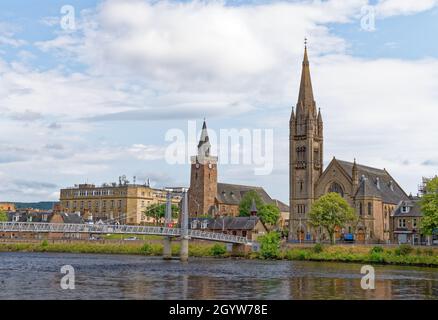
[405,222]
[249,227]
[123,202]
[373,192]
[208,197]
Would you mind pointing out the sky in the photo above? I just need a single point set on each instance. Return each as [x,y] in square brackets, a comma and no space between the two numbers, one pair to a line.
[90,95]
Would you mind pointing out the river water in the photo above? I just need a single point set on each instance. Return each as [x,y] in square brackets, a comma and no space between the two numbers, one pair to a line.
[38,276]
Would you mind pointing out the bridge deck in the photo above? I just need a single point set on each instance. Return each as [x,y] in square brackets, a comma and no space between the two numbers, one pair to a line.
[38,227]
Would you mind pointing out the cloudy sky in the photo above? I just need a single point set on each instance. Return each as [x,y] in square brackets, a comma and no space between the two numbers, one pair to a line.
[90,99]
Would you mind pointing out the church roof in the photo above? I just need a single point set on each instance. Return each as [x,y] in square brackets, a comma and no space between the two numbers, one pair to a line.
[233,193]
[281,205]
[374,182]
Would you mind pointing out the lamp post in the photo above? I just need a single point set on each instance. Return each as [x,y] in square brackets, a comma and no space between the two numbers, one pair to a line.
[167,241]
[184,253]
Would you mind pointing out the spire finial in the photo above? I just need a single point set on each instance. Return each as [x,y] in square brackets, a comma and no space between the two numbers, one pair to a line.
[305,42]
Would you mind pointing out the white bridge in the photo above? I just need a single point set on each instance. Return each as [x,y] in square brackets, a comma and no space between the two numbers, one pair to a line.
[40,227]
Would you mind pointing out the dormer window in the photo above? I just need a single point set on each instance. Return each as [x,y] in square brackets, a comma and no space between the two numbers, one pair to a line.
[405,209]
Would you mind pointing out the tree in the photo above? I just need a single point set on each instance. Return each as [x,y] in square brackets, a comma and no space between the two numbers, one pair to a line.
[158,211]
[331,211]
[429,208]
[245,203]
[270,245]
[268,213]
[3,216]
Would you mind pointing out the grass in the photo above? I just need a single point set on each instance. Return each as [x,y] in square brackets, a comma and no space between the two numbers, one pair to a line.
[146,248]
[401,255]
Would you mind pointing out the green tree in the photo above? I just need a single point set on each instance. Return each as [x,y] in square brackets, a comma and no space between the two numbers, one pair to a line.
[245,203]
[268,213]
[429,208]
[331,211]
[158,211]
[270,245]
[3,216]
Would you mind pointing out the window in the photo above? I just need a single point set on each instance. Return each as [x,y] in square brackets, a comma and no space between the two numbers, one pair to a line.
[414,223]
[402,223]
[360,209]
[370,208]
[336,187]
[301,208]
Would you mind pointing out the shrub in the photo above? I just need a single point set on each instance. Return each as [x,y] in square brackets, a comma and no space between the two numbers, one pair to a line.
[376,249]
[146,249]
[403,250]
[318,248]
[44,244]
[218,250]
[270,245]
[376,257]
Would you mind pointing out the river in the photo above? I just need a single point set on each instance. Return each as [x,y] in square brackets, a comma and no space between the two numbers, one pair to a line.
[38,276]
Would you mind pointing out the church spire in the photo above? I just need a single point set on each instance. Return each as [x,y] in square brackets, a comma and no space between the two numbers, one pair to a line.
[305,97]
[204,145]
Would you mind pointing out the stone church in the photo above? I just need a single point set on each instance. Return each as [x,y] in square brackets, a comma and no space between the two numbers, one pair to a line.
[373,192]
[208,197]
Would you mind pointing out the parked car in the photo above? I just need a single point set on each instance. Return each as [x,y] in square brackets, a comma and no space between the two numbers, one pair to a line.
[131,239]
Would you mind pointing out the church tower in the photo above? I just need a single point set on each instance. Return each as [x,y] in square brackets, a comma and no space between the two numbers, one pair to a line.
[305,156]
[203,178]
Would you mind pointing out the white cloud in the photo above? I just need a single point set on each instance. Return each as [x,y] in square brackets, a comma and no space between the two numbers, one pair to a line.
[387,8]
[167,60]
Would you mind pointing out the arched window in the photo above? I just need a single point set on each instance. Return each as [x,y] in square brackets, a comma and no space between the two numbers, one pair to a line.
[336,187]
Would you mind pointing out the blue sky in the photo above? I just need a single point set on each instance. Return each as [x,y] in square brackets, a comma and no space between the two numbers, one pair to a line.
[95,103]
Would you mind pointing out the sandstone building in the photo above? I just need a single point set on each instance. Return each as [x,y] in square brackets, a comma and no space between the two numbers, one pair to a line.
[373,193]
[123,202]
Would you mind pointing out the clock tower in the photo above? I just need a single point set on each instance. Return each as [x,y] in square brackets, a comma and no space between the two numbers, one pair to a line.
[203,178]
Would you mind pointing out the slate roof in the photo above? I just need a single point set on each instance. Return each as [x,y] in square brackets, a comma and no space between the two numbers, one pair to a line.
[376,183]
[30,216]
[72,218]
[229,223]
[414,209]
[281,205]
[233,193]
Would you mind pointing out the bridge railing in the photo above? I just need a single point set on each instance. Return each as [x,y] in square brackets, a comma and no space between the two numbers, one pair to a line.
[40,227]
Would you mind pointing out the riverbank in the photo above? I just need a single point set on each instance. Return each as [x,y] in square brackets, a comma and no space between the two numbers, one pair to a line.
[401,255]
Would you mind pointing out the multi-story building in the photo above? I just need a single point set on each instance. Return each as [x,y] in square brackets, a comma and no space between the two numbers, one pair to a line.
[123,202]
[405,222]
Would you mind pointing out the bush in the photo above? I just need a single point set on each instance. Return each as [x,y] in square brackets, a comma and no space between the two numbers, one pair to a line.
[318,248]
[270,245]
[403,250]
[218,250]
[44,244]
[146,249]
[376,249]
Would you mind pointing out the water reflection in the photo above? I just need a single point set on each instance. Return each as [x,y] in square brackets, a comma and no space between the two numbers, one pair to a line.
[37,276]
